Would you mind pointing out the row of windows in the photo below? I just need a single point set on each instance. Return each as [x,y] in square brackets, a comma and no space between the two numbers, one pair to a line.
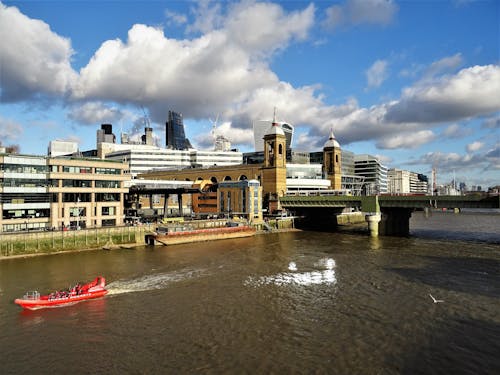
[87,184]
[22,168]
[23,182]
[68,169]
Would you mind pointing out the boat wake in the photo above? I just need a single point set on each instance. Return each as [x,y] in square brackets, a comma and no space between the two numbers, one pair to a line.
[325,276]
[151,282]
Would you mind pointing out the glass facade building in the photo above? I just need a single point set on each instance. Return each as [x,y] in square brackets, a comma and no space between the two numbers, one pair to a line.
[175,135]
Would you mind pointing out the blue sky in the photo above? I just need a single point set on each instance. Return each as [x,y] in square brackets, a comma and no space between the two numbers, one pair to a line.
[416,83]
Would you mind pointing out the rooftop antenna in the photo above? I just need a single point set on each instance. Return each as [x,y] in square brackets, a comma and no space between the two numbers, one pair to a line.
[214,126]
[146,118]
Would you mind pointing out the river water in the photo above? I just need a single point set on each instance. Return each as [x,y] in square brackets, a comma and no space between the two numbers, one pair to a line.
[296,302]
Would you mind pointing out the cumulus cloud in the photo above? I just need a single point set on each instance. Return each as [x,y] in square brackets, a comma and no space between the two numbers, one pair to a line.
[417,139]
[10,130]
[92,113]
[226,69]
[174,18]
[377,73]
[233,134]
[35,60]
[207,74]
[491,123]
[493,157]
[456,131]
[356,12]
[482,161]
[443,65]
[475,146]
[471,92]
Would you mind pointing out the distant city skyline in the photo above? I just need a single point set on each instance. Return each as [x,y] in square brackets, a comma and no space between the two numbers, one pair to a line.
[415,83]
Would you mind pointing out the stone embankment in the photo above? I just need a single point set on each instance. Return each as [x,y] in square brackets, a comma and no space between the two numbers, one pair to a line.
[39,243]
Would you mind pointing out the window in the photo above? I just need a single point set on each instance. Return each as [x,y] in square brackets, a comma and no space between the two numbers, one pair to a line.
[107,184]
[108,211]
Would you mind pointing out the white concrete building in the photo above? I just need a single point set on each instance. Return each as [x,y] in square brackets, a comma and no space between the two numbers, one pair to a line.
[58,148]
[145,158]
[398,181]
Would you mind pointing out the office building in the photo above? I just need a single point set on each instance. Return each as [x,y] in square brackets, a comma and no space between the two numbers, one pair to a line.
[406,182]
[398,181]
[374,172]
[175,135]
[38,193]
[105,134]
[144,158]
[241,198]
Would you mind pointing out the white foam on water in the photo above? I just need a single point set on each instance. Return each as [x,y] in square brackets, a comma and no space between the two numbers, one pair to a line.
[327,263]
[326,276]
[151,282]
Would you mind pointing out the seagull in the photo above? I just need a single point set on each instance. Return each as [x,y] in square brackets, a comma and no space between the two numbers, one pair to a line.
[435,300]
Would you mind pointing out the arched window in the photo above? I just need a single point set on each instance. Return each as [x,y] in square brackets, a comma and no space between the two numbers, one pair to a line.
[280,149]
[213,179]
[336,158]
[187,179]
[199,178]
[227,178]
[243,177]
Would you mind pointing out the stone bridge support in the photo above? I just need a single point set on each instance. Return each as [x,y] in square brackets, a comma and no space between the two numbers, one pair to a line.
[395,221]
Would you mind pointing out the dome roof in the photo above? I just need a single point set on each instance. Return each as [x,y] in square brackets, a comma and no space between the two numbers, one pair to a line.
[275,129]
[332,142]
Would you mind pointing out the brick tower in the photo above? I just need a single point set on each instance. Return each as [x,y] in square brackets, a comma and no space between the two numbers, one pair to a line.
[332,162]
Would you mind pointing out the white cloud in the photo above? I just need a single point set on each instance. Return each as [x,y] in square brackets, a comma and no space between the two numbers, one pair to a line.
[405,140]
[9,130]
[227,70]
[35,61]
[377,73]
[443,65]
[93,113]
[357,12]
[234,135]
[265,27]
[475,146]
[491,123]
[174,18]
[471,92]
[456,131]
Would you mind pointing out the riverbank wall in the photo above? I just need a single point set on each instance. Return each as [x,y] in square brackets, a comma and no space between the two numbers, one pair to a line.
[27,244]
[39,243]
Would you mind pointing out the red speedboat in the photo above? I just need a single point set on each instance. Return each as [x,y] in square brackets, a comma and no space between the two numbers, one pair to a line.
[80,292]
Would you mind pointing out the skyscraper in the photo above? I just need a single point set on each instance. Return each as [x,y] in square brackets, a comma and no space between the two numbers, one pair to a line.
[175,136]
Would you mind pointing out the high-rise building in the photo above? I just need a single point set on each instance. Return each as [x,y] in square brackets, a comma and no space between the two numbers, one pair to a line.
[105,134]
[175,135]
[261,127]
[374,172]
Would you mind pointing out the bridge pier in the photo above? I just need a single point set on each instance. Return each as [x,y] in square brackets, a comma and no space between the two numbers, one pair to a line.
[373,221]
[395,221]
